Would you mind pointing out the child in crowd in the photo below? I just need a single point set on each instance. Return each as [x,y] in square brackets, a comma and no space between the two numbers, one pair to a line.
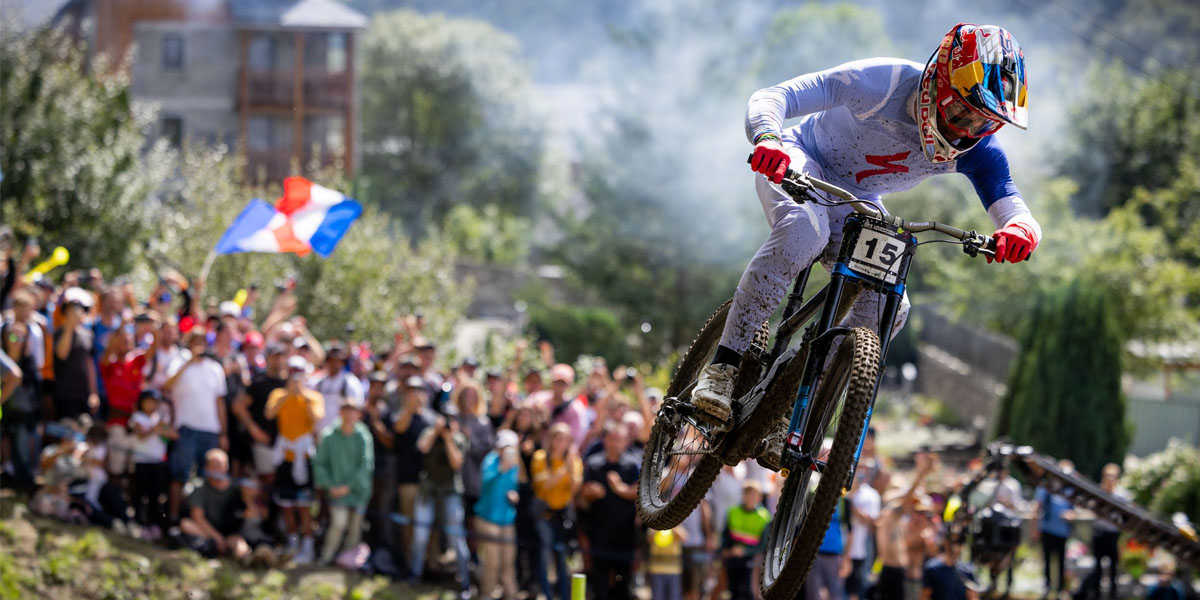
[495,515]
[744,530]
[343,467]
[104,500]
[150,434]
[666,563]
[62,469]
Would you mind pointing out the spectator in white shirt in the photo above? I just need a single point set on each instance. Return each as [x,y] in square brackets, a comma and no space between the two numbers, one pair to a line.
[197,388]
[336,384]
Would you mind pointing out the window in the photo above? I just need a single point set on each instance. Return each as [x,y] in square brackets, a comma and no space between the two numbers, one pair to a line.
[172,51]
[264,133]
[336,56]
[172,130]
[325,52]
[262,52]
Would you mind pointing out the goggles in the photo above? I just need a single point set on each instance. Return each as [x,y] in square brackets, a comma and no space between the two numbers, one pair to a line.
[964,119]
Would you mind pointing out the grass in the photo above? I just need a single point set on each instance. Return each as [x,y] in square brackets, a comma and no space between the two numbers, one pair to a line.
[43,558]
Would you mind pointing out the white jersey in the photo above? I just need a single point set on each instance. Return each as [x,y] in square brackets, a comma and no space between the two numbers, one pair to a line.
[857,123]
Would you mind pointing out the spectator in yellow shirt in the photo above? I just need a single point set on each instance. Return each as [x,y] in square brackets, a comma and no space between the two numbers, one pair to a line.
[557,473]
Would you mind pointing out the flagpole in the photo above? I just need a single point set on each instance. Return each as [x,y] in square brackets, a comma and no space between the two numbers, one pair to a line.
[208,263]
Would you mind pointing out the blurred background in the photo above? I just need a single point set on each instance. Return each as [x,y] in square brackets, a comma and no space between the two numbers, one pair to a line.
[575,172]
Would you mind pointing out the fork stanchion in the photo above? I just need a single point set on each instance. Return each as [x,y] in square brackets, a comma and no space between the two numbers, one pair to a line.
[578,586]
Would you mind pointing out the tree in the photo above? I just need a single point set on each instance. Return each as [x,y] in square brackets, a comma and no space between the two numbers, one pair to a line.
[76,169]
[446,118]
[1064,394]
[1132,133]
[374,276]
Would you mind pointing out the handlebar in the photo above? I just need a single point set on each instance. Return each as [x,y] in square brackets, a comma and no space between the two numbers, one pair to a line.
[796,184]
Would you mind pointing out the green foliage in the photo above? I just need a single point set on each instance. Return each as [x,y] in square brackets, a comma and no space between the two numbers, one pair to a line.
[1149,289]
[1133,133]
[487,235]
[1064,394]
[76,168]
[446,118]
[580,330]
[1168,481]
[374,276]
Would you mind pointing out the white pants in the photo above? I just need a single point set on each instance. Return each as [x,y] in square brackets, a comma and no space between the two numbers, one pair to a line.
[343,521]
[800,234]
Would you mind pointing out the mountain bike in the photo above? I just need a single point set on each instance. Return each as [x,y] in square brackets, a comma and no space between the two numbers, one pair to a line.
[827,384]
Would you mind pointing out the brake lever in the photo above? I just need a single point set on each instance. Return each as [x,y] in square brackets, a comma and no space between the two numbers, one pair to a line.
[977,244]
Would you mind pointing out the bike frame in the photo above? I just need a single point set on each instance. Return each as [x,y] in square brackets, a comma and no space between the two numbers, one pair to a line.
[845,282]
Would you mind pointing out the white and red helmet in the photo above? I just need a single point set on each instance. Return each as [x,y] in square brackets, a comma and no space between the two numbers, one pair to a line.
[976,82]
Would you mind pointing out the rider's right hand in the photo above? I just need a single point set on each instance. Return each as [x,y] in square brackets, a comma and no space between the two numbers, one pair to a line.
[770,160]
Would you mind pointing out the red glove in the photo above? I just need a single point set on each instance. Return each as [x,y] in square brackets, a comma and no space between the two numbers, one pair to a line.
[770,160]
[1014,242]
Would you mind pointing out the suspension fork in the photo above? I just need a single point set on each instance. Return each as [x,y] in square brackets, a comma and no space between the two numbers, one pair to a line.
[891,307]
[819,345]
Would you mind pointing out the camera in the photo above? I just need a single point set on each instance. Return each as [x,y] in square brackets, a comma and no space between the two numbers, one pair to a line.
[994,534]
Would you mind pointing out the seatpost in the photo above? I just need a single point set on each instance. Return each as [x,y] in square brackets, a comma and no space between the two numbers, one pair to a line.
[797,294]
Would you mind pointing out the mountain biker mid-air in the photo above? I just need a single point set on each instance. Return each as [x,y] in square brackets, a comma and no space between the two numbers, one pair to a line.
[873,126]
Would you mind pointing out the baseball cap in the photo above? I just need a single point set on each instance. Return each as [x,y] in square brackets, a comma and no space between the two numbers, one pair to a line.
[470,361]
[254,339]
[506,438]
[415,382]
[229,308]
[352,401]
[274,349]
[562,372]
[77,295]
[424,344]
[297,363]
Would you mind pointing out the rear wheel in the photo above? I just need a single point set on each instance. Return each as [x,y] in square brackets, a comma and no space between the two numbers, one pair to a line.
[681,457]
[838,412]
[679,463]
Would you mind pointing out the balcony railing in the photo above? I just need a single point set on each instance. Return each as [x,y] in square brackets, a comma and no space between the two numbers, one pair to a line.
[320,89]
[327,90]
[270,88]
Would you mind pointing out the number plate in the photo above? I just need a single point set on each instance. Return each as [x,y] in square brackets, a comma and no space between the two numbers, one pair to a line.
[877,253]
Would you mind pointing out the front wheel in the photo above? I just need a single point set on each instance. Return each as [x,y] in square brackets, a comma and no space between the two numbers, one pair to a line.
[838,413]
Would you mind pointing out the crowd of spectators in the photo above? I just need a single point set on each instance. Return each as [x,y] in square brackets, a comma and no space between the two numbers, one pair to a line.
[197,424]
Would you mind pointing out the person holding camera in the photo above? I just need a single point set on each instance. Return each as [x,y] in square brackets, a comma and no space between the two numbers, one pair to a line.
[75,379]
[440,495]
[23,342]
[197,388]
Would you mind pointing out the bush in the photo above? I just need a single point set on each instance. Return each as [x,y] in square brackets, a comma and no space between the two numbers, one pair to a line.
[1168,482]
[576,330]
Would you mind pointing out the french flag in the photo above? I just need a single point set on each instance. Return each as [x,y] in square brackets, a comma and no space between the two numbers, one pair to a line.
[307,218]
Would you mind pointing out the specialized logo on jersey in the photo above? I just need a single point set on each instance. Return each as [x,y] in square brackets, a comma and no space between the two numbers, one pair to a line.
[886,163]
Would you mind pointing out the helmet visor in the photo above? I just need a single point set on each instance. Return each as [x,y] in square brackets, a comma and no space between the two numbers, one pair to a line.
[964,119]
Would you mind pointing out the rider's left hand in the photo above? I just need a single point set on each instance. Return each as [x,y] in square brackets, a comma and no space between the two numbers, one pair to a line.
[1014,242]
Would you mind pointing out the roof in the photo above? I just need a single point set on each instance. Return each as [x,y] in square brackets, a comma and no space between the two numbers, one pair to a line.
[321,14]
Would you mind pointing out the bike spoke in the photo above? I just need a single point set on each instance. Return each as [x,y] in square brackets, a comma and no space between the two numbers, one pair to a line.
[689,444]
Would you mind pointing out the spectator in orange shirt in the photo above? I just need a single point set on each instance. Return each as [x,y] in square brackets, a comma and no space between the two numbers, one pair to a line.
[296,410]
